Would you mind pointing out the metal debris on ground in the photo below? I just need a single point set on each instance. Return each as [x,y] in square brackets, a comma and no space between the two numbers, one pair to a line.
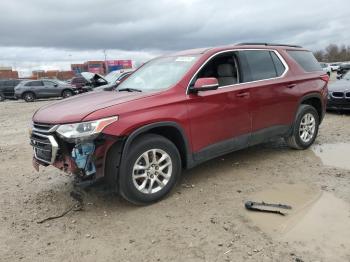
[256,206]
[77,196]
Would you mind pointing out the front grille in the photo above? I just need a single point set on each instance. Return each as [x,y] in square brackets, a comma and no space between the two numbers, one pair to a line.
[43,142]
[44,128]
[338,94]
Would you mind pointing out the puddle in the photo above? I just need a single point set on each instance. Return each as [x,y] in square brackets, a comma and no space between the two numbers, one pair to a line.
[336,155]
[318,222]
[299,196]
[325,227]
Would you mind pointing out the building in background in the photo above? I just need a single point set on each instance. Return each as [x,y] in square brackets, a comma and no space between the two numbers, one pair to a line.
[52,74]
[113,65]
[8,73]
[78,68]
[97,67]
[101,67]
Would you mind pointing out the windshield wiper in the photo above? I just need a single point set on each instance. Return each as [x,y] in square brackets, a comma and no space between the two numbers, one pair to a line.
[129,90]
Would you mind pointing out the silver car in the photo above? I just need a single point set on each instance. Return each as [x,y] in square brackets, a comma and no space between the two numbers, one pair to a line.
[30,90]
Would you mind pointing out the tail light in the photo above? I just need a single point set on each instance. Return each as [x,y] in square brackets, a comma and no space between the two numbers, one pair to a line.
[325,78]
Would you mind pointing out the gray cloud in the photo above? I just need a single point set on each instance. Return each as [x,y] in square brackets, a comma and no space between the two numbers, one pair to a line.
[144,28]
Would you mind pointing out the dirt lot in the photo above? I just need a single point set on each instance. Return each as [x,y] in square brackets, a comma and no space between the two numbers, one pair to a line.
[203,219]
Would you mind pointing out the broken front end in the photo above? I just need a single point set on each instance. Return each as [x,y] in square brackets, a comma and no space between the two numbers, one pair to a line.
[78,148]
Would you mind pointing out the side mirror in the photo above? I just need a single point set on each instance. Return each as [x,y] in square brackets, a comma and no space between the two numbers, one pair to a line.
[55,85]
[117,82]
[205,84]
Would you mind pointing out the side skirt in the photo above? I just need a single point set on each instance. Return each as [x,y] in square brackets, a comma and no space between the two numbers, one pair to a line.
[240,142]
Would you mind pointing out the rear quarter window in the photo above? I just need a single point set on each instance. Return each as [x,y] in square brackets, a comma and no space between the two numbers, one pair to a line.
[260,65]
[306,60]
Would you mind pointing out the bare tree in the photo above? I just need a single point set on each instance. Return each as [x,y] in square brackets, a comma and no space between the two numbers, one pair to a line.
[333,53]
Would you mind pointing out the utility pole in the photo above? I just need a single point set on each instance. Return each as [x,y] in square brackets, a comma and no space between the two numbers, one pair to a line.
[105,54]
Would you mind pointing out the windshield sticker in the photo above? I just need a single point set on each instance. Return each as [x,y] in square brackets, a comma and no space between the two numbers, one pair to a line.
[184,59]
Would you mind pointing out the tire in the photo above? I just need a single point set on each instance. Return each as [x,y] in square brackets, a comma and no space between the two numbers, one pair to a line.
[2,98]
[67,93]
[29,96]
[112,164]
[143,184]
[305,128]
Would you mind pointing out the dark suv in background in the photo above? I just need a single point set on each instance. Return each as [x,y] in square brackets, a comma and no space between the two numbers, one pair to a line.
[33,89]
[180,110]
[7,88]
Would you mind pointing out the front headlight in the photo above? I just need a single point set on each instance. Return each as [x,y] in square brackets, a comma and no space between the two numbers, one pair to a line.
[84,130]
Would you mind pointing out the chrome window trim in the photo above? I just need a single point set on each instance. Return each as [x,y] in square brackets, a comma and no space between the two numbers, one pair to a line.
[237,50]
[209,85]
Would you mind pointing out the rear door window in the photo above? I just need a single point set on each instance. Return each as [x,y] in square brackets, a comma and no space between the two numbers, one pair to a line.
[259,65]
[306,60]
[34,83]
[49,84]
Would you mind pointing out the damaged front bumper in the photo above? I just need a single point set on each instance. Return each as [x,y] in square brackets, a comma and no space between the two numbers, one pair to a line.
[86,160]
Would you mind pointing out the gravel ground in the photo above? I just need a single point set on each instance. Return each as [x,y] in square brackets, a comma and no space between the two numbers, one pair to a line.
[203,219]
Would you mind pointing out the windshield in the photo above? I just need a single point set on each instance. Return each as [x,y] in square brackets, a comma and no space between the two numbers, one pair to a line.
[159,74]
[61,82]
[113,76]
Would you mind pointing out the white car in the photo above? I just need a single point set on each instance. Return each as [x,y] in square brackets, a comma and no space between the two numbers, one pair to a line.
[327,68]
[334,66]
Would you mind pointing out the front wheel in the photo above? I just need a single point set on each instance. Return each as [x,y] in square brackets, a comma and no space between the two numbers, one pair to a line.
[67,93]
[29,97]
[150,171]
[2,98]
[305,128]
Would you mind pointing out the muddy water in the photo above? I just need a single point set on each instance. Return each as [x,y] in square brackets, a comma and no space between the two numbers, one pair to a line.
[299,196]
[336,155]
[318,221]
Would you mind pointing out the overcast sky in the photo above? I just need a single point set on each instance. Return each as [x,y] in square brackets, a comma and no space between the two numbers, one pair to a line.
[50,34]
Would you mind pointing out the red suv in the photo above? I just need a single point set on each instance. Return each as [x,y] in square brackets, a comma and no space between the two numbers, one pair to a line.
[180,110]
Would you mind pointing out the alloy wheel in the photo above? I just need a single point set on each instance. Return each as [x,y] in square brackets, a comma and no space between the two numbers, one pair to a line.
[152,171]
[67,94]
[29,97]
[307,127]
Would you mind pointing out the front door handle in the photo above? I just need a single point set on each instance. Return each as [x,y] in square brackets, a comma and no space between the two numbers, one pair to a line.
[291,85]
[243,94]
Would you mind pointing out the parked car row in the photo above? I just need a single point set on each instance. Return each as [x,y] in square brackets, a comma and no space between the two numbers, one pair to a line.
[326,68]
[339,94]
[30,90]
[7,88]
[343,69]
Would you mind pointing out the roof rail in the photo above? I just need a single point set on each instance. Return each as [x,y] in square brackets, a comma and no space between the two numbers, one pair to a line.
[269,44]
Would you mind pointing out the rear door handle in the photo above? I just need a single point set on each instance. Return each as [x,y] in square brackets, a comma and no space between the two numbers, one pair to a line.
[243,94]
[291,85]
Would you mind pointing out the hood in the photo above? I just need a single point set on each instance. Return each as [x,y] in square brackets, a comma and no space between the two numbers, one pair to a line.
[89,76]
[108,87]
[340,85]
[76,108]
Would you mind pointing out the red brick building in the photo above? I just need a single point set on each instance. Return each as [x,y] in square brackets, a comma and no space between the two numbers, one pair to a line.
[7,73]
[53,74]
